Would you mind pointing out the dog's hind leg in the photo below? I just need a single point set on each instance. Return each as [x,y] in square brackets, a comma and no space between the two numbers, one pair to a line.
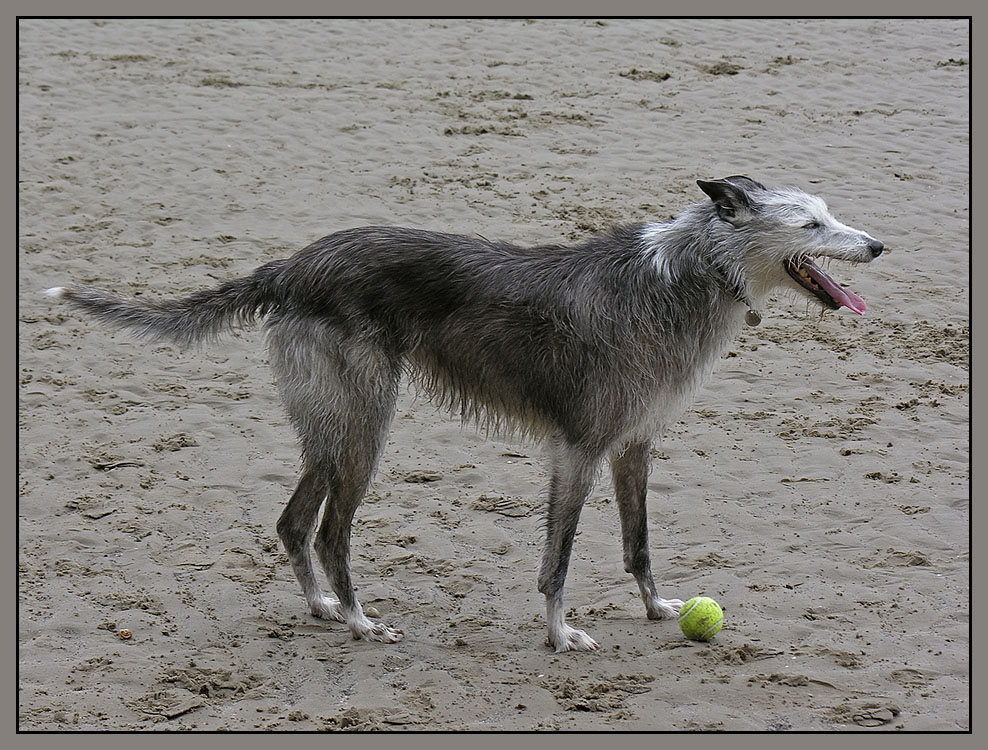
[349,472]
[350,444]
[295,528]
[348,482]
[340,393]
[573,474]
[629,468]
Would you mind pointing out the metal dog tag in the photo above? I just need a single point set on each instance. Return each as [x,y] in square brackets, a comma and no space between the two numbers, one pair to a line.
[752,317]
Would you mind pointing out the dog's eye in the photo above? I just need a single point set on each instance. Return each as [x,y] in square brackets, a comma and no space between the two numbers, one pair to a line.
[812,225]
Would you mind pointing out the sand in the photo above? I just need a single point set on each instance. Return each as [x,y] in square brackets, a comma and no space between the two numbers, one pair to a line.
[819,488]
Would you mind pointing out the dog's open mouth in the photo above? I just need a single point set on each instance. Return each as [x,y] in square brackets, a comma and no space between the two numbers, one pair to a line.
[809,276]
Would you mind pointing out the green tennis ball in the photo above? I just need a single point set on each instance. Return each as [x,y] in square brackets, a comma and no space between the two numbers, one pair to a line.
[701,618]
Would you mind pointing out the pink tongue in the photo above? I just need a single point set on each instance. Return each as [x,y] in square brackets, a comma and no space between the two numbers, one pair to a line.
[841,295]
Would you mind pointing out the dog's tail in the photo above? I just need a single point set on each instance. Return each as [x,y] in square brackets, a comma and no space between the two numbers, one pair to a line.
[188,320]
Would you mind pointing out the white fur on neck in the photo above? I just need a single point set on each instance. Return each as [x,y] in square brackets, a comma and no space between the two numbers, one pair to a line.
[654,242]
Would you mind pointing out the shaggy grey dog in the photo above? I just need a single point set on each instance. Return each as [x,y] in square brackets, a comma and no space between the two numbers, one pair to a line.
[594,348]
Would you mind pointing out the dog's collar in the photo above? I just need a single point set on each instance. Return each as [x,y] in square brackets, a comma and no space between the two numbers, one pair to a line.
[736,290]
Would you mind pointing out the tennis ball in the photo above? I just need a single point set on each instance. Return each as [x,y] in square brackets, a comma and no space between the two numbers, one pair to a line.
[700,618]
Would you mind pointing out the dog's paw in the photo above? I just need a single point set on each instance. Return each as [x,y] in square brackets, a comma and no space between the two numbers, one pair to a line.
[327,608]
[662,609]
[364,629]
[571,639]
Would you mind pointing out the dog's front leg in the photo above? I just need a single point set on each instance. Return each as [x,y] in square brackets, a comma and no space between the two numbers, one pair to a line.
[630,470]
[572,478]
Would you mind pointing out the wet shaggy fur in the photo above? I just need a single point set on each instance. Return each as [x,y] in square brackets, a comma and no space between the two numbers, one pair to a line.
[593,347]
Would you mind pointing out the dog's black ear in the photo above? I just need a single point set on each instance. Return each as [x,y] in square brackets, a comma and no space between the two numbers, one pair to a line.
[745,183]
[732,197]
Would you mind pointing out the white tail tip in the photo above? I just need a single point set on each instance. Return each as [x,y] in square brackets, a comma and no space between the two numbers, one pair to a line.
[55,292]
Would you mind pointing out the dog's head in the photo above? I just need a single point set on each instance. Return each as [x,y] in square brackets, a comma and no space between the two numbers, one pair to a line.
[781,231]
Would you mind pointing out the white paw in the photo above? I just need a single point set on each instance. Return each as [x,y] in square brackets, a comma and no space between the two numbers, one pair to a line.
[364,629]
[662,609]
[327,608]
[571,639]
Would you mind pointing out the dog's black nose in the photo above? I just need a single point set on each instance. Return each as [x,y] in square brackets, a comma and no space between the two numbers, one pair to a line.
[875,247]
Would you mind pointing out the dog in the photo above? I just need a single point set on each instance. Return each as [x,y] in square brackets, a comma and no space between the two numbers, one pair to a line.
[593,348]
